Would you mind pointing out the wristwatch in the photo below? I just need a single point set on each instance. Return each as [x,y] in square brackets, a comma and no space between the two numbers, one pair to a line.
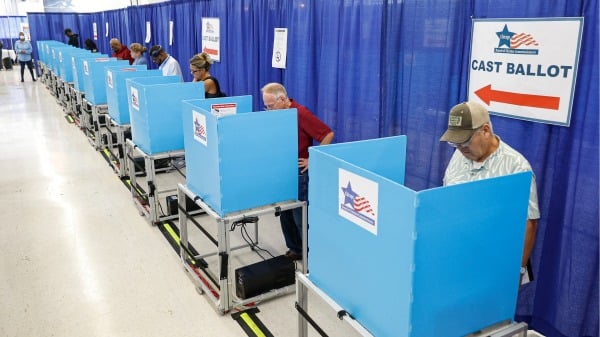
[523,270]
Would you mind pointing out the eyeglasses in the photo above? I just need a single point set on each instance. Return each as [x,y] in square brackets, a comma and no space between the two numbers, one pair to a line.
[467,143]
[272,105]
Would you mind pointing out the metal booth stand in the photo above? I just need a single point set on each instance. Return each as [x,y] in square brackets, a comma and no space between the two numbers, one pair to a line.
[78,105]
[114,138]
[93,118]
[220,288]
[147,202]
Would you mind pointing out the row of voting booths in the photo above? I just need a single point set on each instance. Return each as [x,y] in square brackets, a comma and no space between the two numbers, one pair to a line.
[389,260]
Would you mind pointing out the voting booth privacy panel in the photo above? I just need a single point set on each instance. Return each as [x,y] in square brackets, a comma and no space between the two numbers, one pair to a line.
[77,61]
[437,262]
[155,111]
[65,62]
[238,159]
[94,78]
[116,89]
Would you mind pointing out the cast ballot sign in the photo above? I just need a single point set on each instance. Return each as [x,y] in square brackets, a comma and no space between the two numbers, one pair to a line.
[525,68]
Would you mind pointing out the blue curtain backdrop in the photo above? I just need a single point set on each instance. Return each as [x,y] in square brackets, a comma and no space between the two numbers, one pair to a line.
[381,68]
[10,26]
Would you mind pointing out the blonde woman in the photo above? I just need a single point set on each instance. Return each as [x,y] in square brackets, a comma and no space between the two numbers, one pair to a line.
[200,69]
[137,52]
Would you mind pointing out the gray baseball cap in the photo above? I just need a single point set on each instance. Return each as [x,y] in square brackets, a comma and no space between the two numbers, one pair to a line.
[464,119]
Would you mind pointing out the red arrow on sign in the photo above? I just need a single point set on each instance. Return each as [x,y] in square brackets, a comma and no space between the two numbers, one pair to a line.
[487,94]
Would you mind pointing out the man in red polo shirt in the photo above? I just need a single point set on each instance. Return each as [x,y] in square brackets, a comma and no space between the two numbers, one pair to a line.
[310,128]
[120,51]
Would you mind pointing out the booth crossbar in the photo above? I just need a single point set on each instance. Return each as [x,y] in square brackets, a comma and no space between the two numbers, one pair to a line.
[303,284]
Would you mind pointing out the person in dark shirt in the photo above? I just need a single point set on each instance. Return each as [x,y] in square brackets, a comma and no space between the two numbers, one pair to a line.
[200,69]
[90,45]
[73,38]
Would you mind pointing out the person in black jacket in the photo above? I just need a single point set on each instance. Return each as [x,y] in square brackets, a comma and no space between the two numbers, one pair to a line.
[200,69]
[73,38]
[90,45]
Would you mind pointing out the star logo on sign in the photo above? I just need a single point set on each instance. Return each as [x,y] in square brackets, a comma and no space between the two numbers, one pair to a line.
[505,35]
[349,195]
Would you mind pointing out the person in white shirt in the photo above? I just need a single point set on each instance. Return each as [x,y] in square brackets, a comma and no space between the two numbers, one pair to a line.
[165,62]
[481,154]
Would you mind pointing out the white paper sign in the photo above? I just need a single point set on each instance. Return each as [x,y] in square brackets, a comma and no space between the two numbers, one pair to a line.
[135,101]
[279,48]
[224,109]
[148,32]
[109,79]
[211,38]
[358,200]
[170,33]
[95,30]
[107,29]
[525,68]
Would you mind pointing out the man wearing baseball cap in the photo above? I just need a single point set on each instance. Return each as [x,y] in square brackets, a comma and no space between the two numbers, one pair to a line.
[481,154]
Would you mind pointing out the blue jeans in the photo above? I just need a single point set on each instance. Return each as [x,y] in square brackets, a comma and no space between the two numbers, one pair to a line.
[291,220]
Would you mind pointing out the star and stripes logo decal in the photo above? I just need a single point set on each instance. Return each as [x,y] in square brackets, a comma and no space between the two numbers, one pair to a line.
[358,200]
[515,43]
[199,122]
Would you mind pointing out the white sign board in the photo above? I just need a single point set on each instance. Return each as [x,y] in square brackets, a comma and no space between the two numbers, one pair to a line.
[358,200]
[279,48]
[525,68]
[211,38]
[223,109]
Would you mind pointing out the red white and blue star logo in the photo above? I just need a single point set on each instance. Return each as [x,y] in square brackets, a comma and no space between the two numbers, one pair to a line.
[512,42]
[356,202]
[199,122]
[199,130]
[358,199]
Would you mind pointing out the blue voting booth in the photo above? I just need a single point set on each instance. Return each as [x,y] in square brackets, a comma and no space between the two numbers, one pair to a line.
[94,82]
[65,64]
[58,53]
[238,159]
[438,262]
[155,111]
[77,63]
[53,60]
[44,52]
[116,89]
